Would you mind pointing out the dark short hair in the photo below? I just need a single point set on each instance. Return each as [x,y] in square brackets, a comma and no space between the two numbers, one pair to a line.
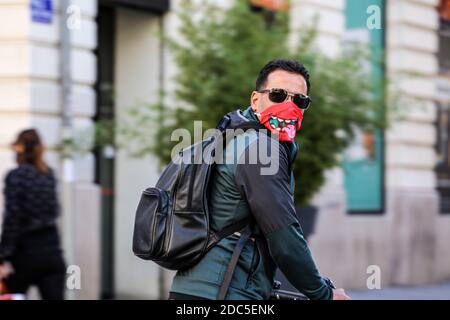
[288,65]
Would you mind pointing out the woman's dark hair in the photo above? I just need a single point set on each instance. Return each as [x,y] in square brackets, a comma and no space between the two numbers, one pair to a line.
[30,150]
[288,65]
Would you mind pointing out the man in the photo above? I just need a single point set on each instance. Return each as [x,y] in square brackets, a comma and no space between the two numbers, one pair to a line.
[241,189]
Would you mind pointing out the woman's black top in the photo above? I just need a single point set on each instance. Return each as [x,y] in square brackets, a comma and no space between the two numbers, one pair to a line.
[30,211]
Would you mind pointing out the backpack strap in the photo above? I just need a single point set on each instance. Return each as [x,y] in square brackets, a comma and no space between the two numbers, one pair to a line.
[227,231]
[243,225]
[245,235]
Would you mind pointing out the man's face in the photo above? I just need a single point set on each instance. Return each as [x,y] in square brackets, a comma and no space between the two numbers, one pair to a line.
[280,79]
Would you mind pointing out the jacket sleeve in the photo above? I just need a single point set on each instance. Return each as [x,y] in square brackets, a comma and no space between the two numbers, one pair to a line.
[11,227]
[271,202]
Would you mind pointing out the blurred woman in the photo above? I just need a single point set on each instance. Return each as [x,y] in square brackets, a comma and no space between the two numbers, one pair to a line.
[30,241]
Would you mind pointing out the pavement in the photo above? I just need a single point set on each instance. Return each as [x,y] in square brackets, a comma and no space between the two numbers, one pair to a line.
[428,292]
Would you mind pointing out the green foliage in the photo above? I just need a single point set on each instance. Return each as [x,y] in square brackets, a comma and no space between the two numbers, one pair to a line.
[218,64]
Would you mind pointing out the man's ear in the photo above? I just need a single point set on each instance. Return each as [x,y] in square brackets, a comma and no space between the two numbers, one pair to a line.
[254,101]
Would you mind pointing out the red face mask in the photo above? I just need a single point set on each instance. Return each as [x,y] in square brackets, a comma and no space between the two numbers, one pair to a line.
[283,118]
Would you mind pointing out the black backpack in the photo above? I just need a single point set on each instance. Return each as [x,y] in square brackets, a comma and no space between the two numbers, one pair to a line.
[172,219]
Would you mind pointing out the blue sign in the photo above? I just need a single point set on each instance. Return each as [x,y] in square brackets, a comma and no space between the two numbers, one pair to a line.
[42,11]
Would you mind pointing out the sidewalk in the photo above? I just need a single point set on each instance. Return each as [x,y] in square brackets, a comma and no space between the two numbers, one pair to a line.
[428,292]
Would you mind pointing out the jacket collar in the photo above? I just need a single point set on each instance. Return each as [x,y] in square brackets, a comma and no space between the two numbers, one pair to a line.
[250,115]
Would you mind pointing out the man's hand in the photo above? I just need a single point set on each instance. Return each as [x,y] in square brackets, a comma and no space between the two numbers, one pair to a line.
[5,270]
[339,294]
